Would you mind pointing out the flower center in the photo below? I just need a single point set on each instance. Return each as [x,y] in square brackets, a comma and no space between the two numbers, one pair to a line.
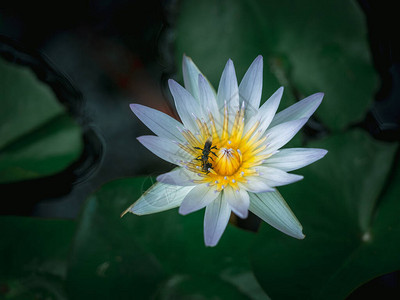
[228,161]
[224,156]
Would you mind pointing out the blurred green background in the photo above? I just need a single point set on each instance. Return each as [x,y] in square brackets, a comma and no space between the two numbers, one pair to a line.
[70,162]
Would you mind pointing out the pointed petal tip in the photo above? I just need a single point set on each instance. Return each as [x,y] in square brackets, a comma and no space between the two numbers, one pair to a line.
[186,57]
[159,178]
[173,85]
[297,234]
[258,61]
[126,211]
[241,214]
[300,236]
[186,60]
[317,97]
[171,81]
[229,63]
[134,107]
[320,153]
[280,91]
[183,211]
[130,209]
[296,177]
[210,243]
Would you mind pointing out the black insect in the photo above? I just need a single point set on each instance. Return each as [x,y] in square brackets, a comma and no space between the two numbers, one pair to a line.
[205,155]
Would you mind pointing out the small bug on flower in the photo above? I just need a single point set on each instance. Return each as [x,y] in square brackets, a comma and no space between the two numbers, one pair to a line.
[205,155]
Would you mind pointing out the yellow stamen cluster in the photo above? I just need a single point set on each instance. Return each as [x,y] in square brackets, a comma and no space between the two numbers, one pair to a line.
[236,153]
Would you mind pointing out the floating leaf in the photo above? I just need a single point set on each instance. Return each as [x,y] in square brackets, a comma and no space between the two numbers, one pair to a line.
[351,232]
[145,256]
[304,46]
[38,136]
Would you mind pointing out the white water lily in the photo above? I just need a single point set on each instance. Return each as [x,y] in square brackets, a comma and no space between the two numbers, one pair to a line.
[227,150]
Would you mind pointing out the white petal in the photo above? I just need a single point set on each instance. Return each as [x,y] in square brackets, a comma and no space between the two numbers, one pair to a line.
[302,109]
[185,104]
[198,198]
[215,220]
[158,198]
[294,158]
[164,148]
[238,201]
[207,99]
[273,209]
[256,184]
[178,176]
[158,122]
[266,112]
[228,90]
[276,177]
[250,87]
[281,134]
[190,76]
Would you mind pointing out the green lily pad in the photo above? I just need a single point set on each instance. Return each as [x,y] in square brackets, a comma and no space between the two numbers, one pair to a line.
[33,257]
[38,136]
[351,231]
[305,48]
[150,256]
